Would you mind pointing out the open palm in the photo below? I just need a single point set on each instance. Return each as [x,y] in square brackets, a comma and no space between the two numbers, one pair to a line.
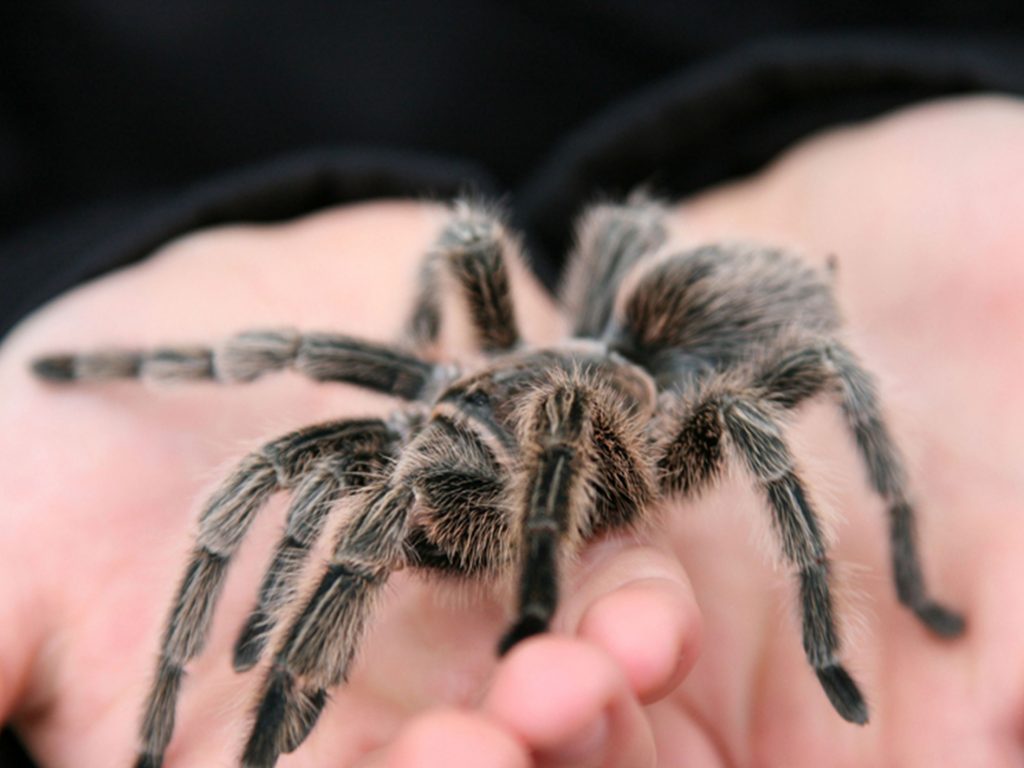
[102,484]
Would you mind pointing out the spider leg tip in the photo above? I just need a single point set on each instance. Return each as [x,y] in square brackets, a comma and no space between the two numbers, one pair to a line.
[940,620]
[55,368]
[248,648]
[262,750]
[526,627]
[149,761]
[842,691]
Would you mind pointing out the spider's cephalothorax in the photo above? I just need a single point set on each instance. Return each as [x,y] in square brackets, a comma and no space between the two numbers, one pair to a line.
[680,363]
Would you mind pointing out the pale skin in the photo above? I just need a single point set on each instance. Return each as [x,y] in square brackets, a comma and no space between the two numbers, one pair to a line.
[683,652]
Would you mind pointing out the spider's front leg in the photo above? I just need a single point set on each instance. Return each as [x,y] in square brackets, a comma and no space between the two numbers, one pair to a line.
[251,354]
[443,509]
[223,523]
[319,644]
[314,498]
[726,414]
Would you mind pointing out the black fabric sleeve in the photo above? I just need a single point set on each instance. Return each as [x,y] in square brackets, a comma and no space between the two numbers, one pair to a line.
[703,125]
[732,115]
[64,251]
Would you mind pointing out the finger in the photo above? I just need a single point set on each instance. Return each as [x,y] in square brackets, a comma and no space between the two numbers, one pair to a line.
[631,741]
[570,704]
[451,739]
[636,603]
[621,737]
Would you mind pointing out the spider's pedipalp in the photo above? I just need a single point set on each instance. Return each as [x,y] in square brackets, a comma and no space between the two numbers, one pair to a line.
[610,240]
[225,519]
[692,457]
[322,639]
[474,248]
[554,492]
[584,471]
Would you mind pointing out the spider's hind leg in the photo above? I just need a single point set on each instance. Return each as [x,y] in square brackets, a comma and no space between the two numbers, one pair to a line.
[885,470]
[473,249]
[801,369]
[692,458]
[611,239]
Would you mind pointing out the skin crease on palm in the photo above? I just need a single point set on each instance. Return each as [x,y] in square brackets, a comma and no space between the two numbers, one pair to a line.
[685,653]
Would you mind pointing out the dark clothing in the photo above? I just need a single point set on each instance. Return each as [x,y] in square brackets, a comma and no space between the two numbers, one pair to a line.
[125,124]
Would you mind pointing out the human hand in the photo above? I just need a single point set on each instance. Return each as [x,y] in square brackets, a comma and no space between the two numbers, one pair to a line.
[923,212]
[102,488]
[93,551]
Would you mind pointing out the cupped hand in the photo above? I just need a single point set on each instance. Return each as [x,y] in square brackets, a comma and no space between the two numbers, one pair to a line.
[104,481]
[923,214]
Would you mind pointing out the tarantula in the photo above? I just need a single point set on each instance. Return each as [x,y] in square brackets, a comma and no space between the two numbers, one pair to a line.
[679,363]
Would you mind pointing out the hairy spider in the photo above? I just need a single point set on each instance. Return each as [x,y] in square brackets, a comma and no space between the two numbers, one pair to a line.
[678,363]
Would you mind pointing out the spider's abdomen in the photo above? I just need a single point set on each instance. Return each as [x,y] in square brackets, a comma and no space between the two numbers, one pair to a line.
[717,305]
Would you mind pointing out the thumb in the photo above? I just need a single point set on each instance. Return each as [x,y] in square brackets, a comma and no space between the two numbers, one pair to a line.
[635,602]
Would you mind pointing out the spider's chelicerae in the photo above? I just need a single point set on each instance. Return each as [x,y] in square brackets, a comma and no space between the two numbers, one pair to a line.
[679,363]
